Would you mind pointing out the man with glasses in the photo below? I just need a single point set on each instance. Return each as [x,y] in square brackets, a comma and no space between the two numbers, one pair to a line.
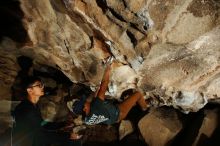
[28,129]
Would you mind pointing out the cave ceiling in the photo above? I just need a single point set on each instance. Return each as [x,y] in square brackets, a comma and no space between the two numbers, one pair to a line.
[168,49]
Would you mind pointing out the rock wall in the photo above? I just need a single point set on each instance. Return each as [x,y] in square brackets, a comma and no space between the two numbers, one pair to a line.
[167,49]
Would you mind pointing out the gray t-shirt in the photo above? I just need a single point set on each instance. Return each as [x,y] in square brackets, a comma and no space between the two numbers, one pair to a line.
[102,112]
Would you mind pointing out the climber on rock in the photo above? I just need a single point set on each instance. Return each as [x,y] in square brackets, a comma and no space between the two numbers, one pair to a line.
[96,109]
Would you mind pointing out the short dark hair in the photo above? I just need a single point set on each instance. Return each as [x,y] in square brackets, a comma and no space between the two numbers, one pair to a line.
[30,80]
[78,105]
[84,91]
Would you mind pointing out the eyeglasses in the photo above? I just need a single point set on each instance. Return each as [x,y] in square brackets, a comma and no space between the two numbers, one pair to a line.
[41,85]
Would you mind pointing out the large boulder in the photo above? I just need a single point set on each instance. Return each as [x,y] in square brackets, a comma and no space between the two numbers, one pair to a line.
[209,125]
[160,126]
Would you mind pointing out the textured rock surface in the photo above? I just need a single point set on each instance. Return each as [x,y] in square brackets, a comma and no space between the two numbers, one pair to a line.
[209,124]
[5,115]
[187,76]
[100,134]
[160,126]
[125,128]
[169,49]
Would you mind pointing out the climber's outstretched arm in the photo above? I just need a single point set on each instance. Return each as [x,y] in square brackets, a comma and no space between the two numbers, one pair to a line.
[104,83]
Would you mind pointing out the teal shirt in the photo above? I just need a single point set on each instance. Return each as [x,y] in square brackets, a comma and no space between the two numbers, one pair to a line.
[102,112]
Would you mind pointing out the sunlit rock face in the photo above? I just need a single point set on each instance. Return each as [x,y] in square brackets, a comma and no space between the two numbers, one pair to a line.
[167,49]
[184,76]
